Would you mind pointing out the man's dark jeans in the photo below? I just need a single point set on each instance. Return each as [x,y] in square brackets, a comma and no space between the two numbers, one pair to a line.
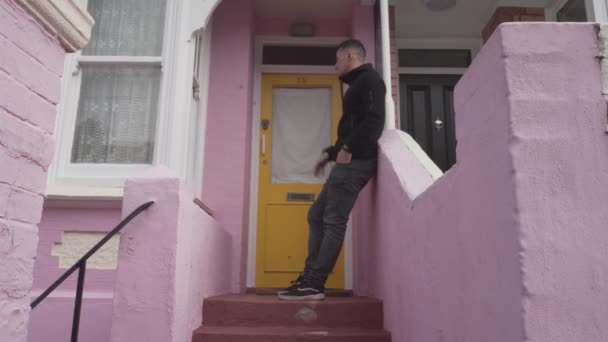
[328,217]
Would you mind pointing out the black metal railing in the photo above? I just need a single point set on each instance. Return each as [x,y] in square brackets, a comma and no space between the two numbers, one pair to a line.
[81,266]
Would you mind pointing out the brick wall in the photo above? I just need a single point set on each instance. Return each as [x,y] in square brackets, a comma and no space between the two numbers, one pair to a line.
[31,65]
[512,14]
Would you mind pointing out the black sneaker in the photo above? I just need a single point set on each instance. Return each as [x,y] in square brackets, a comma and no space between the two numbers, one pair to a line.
[293,285]
[304,291]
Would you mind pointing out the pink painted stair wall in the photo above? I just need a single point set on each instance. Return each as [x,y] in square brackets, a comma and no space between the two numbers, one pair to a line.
[170,258]
[510,244]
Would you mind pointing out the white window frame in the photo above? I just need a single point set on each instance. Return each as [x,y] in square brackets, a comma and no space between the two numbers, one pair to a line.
[597,10]
[84,180]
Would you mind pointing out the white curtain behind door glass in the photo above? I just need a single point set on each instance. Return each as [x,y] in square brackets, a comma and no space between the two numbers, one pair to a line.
[301,128]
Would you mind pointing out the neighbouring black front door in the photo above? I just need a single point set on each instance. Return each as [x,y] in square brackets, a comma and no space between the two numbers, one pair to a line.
[427,114]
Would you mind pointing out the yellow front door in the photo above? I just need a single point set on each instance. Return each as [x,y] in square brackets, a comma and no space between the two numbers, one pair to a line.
[299,116]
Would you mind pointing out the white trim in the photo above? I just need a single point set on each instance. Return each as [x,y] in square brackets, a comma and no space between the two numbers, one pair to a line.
[200,15]
[64,18]
[424,159]
[260,41]
[98,175]
[390,121]
[57,192]
[64,174]
[432,71]
[119,60]
[600,11]
[165,121]
[283,69]
[198,168]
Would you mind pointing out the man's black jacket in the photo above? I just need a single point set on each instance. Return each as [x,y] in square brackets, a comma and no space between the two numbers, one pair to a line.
[362,119]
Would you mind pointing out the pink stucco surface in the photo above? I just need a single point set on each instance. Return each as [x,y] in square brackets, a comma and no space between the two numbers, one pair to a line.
[228,135]
[323,27]
[560,157]
[171,258]
[362,28]
[31,64]
[96,315]
[509,245]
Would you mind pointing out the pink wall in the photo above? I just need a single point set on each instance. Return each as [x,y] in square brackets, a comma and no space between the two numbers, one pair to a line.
[31,64]
[228,135]
[324,27]
[505,246]
[97,302]
[171,257]
[560,158]
[362,28]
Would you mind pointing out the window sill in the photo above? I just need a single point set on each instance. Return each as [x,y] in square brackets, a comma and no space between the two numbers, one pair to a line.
[70,196]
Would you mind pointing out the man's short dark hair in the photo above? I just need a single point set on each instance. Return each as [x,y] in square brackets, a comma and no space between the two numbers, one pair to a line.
[353,45]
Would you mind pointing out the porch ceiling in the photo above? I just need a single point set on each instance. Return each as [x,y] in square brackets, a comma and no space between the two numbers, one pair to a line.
[466,19]
[329,9]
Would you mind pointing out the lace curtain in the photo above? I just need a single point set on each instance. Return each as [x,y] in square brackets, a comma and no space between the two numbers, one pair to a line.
[118,104]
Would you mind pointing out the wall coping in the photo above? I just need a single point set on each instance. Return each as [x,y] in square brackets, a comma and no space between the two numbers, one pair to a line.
[64,18]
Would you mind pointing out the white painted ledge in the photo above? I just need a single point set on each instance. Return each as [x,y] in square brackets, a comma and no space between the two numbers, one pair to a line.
[64,196]
[64,18]
[427,163]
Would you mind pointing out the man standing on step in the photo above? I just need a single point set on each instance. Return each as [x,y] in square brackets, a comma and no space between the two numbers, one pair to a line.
[355,154]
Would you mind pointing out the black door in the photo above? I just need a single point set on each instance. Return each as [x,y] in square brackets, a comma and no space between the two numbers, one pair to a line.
[427,114]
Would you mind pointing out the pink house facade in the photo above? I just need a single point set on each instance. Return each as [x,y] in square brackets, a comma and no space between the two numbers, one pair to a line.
[485,222]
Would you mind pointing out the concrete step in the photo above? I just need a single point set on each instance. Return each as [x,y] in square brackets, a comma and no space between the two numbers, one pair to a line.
[258,311]
[286,334]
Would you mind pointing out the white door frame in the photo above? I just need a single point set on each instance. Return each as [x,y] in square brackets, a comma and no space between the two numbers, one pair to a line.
[259,69]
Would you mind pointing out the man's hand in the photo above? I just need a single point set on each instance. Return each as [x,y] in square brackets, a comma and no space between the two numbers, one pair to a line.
[321,164]
[344,157]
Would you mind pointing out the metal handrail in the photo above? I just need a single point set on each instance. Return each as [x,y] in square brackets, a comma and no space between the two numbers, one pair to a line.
[81,266]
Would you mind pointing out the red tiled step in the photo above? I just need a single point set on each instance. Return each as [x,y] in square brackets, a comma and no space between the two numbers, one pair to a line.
[284,334]
[255,311]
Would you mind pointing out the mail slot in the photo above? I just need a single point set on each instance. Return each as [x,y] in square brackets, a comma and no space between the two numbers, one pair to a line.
[300,197]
